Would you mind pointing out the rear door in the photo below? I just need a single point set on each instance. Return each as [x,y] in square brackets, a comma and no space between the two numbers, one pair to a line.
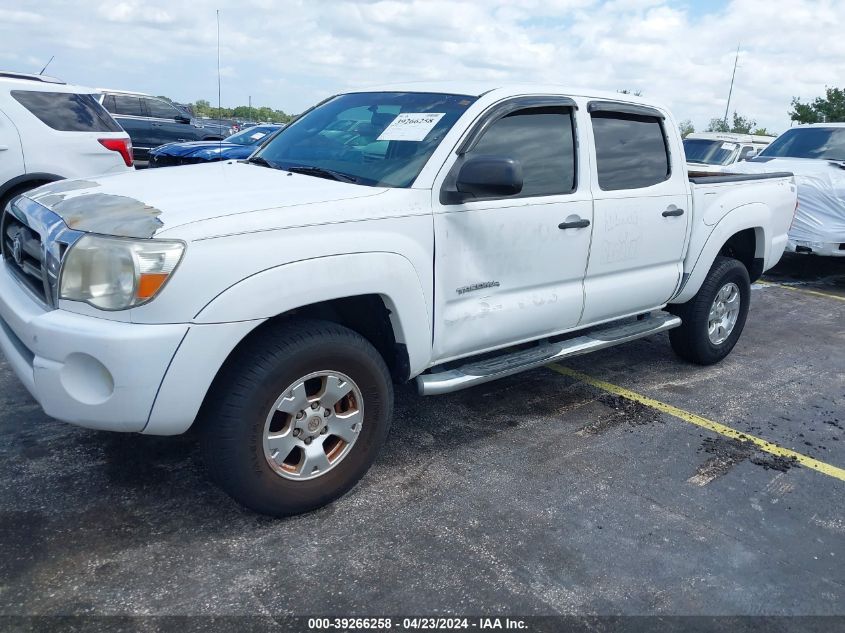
[127,110]
[11,155]
[504,270]
[641,212]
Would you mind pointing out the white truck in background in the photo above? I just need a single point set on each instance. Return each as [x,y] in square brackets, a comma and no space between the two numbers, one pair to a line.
[460,233]
[815,153]
[717,152]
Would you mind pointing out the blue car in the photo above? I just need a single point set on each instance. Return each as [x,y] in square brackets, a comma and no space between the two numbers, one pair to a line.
[237,146]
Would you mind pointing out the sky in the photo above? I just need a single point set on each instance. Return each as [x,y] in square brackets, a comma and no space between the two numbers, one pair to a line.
[289,54]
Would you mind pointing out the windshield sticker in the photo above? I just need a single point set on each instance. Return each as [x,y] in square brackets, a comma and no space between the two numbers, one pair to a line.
[257,136]
[411,126]
[728,146]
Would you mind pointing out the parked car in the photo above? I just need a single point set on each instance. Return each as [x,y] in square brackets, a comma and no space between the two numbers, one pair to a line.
[273,302]
[151,122]
[236,147]
[816,154]
[715,152]
[50,130]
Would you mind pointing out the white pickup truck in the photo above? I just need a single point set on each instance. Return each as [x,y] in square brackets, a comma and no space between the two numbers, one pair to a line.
[447,233]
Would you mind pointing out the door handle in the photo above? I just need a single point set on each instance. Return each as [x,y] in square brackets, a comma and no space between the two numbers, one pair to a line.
[3,148]
[576,224]
[672,212]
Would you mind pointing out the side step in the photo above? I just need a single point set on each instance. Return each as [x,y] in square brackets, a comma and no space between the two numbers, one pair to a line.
[507,364]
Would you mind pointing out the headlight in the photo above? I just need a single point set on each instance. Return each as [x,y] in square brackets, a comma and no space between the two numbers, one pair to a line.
[112,273]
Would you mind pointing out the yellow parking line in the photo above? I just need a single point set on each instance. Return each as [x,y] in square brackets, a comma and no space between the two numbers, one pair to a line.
[805,291]
[710,425]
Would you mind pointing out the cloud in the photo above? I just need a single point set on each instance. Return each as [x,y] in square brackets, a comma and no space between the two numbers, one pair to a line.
[291,53]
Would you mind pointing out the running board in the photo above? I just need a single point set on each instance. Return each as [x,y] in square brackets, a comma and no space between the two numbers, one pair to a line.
[507,364]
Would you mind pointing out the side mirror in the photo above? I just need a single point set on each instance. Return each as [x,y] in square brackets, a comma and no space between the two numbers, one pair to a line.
[489,176]
[181,118]
[751,153]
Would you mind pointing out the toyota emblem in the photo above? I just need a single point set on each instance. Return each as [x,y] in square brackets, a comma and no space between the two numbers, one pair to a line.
[17,249]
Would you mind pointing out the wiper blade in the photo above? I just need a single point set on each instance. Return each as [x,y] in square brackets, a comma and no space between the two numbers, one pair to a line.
[321,172]
[258,160]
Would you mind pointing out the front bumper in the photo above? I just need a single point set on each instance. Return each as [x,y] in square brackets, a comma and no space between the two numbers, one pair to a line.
[92,372]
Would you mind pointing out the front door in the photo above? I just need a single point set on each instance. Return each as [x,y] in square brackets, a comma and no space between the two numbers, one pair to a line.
[641,214]
[504,270]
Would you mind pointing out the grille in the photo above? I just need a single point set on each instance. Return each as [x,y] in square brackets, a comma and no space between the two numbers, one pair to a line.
[23,254]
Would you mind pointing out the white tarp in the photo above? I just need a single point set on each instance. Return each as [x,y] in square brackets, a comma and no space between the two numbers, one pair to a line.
[821,197]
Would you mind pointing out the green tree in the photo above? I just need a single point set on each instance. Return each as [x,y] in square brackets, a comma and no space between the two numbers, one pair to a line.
[718,125]
[686,127]
[827,109]
[742,125]
[738,125]
[762,132]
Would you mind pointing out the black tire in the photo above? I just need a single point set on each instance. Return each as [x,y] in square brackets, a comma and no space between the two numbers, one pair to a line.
[691,340]
[234,416]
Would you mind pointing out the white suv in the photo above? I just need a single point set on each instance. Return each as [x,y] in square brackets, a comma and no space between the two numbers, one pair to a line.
[50,130]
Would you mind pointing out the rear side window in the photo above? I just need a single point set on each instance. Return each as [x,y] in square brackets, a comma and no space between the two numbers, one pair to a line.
[126,105]
[541,139]
[67,112]
[631,151]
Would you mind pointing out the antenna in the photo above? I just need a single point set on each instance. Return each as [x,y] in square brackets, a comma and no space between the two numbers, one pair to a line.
[52,57]
[219,106]
[730,91]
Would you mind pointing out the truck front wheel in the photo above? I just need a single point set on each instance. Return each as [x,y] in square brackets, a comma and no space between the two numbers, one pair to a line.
[713,319]
[297,417]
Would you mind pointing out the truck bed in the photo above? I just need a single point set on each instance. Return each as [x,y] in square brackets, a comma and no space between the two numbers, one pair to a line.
[702,178]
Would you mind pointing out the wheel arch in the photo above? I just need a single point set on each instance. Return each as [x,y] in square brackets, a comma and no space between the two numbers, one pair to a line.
[384,302]
[24,182]
[740,234]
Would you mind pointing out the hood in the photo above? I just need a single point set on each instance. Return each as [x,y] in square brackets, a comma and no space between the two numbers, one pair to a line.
[192,148]
[205,150]
[142,204]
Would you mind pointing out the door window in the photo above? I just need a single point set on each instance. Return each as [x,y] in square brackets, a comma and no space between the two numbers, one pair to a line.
[542,140]
[631,151]
[127,105]
[160,109]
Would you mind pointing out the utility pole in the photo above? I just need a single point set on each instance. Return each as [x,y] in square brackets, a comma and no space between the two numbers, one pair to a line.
[730,91]
[250,109]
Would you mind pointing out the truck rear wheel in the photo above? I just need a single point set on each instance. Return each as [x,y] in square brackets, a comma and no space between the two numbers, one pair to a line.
[714,318]
[297,417]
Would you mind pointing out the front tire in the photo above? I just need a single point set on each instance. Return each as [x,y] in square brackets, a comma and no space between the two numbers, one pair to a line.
[297,417]
[713,319]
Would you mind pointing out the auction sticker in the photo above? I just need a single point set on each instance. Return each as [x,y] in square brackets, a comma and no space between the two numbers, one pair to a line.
[411,126]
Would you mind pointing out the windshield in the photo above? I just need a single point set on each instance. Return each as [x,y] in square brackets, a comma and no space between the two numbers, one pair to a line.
[252,135]
[709,152]
[827,143]
[371,138]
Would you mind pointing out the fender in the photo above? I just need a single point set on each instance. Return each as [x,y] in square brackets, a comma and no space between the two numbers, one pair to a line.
[283,288]
[755,216]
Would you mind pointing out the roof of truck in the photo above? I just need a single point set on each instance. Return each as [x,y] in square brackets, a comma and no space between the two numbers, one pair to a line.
[478,88]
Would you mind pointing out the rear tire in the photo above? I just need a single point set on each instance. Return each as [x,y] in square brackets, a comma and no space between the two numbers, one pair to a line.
[272,408]
[711,320]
